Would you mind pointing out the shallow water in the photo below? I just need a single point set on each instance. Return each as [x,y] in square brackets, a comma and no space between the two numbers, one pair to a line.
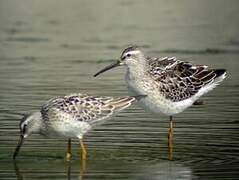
[53,48]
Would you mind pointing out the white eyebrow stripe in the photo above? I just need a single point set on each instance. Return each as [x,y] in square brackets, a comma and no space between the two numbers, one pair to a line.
[133,52]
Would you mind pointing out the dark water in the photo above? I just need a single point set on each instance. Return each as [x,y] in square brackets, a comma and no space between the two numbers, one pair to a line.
[53,48]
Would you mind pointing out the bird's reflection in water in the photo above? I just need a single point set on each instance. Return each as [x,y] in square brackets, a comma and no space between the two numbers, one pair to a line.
[82,168]
[68,170]
[19,174]
[165,170]
[170,150]
[17,171]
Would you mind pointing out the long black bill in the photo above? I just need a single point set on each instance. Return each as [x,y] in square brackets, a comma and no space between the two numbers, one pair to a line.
[20,142]
[115,64]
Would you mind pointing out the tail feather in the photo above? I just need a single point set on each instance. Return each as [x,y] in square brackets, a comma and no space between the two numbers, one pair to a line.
[121,102]
[219,72]
[198,102]
[208,76]
[219,75]
[139,97]
[113,105]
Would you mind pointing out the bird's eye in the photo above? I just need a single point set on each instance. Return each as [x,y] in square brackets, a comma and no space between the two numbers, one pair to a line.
[127,55]
[24,128]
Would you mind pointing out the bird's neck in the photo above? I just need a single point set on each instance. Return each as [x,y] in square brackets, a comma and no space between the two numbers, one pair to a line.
[37,122]
[136,72]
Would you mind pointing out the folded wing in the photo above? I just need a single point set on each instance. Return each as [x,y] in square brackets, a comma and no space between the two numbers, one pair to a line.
[82,107]
[180,80]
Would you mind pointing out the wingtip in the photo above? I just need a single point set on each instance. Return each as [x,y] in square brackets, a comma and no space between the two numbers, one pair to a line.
[199,102]
[139,97]
[220,72]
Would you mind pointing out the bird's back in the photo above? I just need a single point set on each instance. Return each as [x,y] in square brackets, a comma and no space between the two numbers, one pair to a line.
[77,113]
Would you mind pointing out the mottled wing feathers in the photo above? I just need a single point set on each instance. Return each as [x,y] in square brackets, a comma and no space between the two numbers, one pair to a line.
[158,65]
[120,103]
[180,80]
[86,108]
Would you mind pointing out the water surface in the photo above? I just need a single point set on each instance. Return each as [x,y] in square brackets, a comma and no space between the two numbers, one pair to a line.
[53,48]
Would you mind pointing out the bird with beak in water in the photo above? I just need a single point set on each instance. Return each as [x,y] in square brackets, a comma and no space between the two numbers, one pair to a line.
[71,116]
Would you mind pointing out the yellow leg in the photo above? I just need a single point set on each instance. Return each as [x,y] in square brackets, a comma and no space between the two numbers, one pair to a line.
[68,170]
[83,157]
[68,154]
[170,139]
[83,150]
[17,170]
[82,169]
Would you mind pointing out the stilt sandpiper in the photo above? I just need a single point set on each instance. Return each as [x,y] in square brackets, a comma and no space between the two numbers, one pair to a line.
[171,85]
[71,116]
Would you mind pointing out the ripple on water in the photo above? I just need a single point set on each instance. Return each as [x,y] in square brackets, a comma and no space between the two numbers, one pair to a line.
[46,54]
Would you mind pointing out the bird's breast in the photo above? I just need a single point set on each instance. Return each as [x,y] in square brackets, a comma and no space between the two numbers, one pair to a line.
[155,101]
[140,85]
[66,127]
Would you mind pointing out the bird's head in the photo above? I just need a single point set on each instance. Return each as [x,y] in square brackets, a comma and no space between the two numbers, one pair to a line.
[28,125]
[132,56]
[25,125]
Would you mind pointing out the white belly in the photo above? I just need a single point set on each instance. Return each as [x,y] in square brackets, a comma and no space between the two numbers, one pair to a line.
[161,105]
[71,130]
[68,127]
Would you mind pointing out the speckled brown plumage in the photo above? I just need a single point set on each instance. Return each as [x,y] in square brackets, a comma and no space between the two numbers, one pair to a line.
[180,80]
